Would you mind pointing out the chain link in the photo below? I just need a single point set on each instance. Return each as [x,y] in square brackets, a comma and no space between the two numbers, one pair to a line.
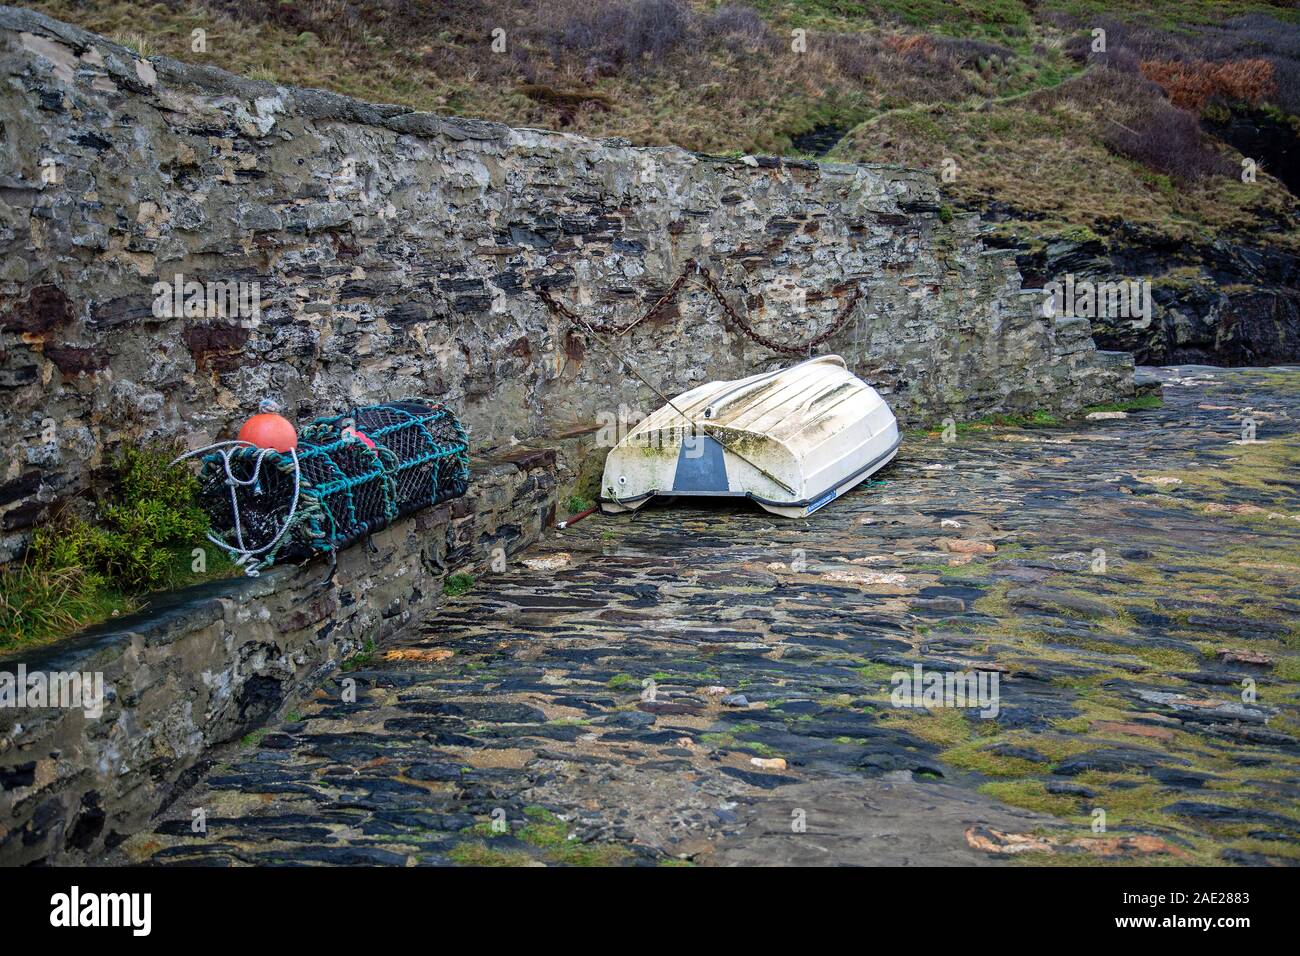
[806,347]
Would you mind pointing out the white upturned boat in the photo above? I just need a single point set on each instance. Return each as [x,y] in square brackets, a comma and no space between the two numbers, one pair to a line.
[792,440]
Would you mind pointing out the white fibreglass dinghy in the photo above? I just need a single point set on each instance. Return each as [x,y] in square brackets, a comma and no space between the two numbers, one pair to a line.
[792,440]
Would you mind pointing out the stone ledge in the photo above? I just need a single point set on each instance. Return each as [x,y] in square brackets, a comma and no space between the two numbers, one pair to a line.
[208,664]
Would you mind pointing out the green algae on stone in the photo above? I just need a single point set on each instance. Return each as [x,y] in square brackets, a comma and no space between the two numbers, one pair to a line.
[476,854]
[1136,404]
[550,834]
[457,584]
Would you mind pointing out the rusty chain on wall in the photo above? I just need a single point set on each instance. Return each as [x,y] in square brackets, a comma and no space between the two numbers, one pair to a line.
[692,266]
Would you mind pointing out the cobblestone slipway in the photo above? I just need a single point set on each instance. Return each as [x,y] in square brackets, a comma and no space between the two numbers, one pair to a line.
[1148,708]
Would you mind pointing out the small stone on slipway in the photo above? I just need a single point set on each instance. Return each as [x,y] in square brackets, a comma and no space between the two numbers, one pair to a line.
[966,546]
[548,562]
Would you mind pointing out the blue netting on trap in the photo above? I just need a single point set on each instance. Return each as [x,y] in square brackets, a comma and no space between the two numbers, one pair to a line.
[267,507]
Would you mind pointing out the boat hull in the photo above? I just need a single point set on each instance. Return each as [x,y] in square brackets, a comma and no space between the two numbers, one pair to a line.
[792,441]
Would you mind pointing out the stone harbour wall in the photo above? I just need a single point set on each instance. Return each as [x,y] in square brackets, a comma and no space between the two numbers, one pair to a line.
[391,253]
[213,663]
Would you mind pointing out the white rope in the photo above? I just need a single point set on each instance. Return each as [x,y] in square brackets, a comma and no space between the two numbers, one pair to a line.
[243,555]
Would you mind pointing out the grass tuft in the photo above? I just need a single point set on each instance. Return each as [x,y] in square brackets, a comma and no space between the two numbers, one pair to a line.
[140,539]
[458,584]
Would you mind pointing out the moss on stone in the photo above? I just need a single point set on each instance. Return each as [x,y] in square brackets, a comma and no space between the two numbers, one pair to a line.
[550,834]
[457,584]
[476,854]
[946,726]
[1030,795]
[1136,404]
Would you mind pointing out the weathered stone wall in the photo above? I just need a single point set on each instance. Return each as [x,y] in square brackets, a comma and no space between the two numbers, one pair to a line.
[214,662]
[396,253]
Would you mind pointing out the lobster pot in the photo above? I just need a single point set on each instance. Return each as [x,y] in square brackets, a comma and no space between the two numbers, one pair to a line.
[346,489]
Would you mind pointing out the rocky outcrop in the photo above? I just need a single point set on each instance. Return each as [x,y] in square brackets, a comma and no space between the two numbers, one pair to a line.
[1270,137]
[379,253]
[1220,302]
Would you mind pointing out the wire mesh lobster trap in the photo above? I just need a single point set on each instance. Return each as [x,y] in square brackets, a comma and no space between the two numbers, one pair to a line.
[351,475]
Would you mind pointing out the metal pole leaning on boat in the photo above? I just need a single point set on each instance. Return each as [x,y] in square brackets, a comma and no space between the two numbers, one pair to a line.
[574,519]
[634,370]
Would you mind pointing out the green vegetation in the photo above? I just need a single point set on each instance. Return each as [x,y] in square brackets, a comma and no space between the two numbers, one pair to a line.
[139,529]
[1138,404]
[1047,157]
[547,834]
[550,834]
[476,854]
[1035,419]
[946,727]
[134,42]
[1171,14]
[141,539]
[578,503]
[1038,419]
[254,738]
[731,740]
[39,603]
[457,584]
[362,658]
[1248,581]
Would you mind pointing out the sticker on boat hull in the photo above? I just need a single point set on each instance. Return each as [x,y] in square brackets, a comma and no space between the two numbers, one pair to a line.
[824,499]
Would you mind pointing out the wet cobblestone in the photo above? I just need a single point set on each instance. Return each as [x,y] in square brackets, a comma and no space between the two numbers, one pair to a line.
[712,685]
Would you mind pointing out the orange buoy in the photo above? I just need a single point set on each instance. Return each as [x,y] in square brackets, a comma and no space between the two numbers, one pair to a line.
[268,430]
